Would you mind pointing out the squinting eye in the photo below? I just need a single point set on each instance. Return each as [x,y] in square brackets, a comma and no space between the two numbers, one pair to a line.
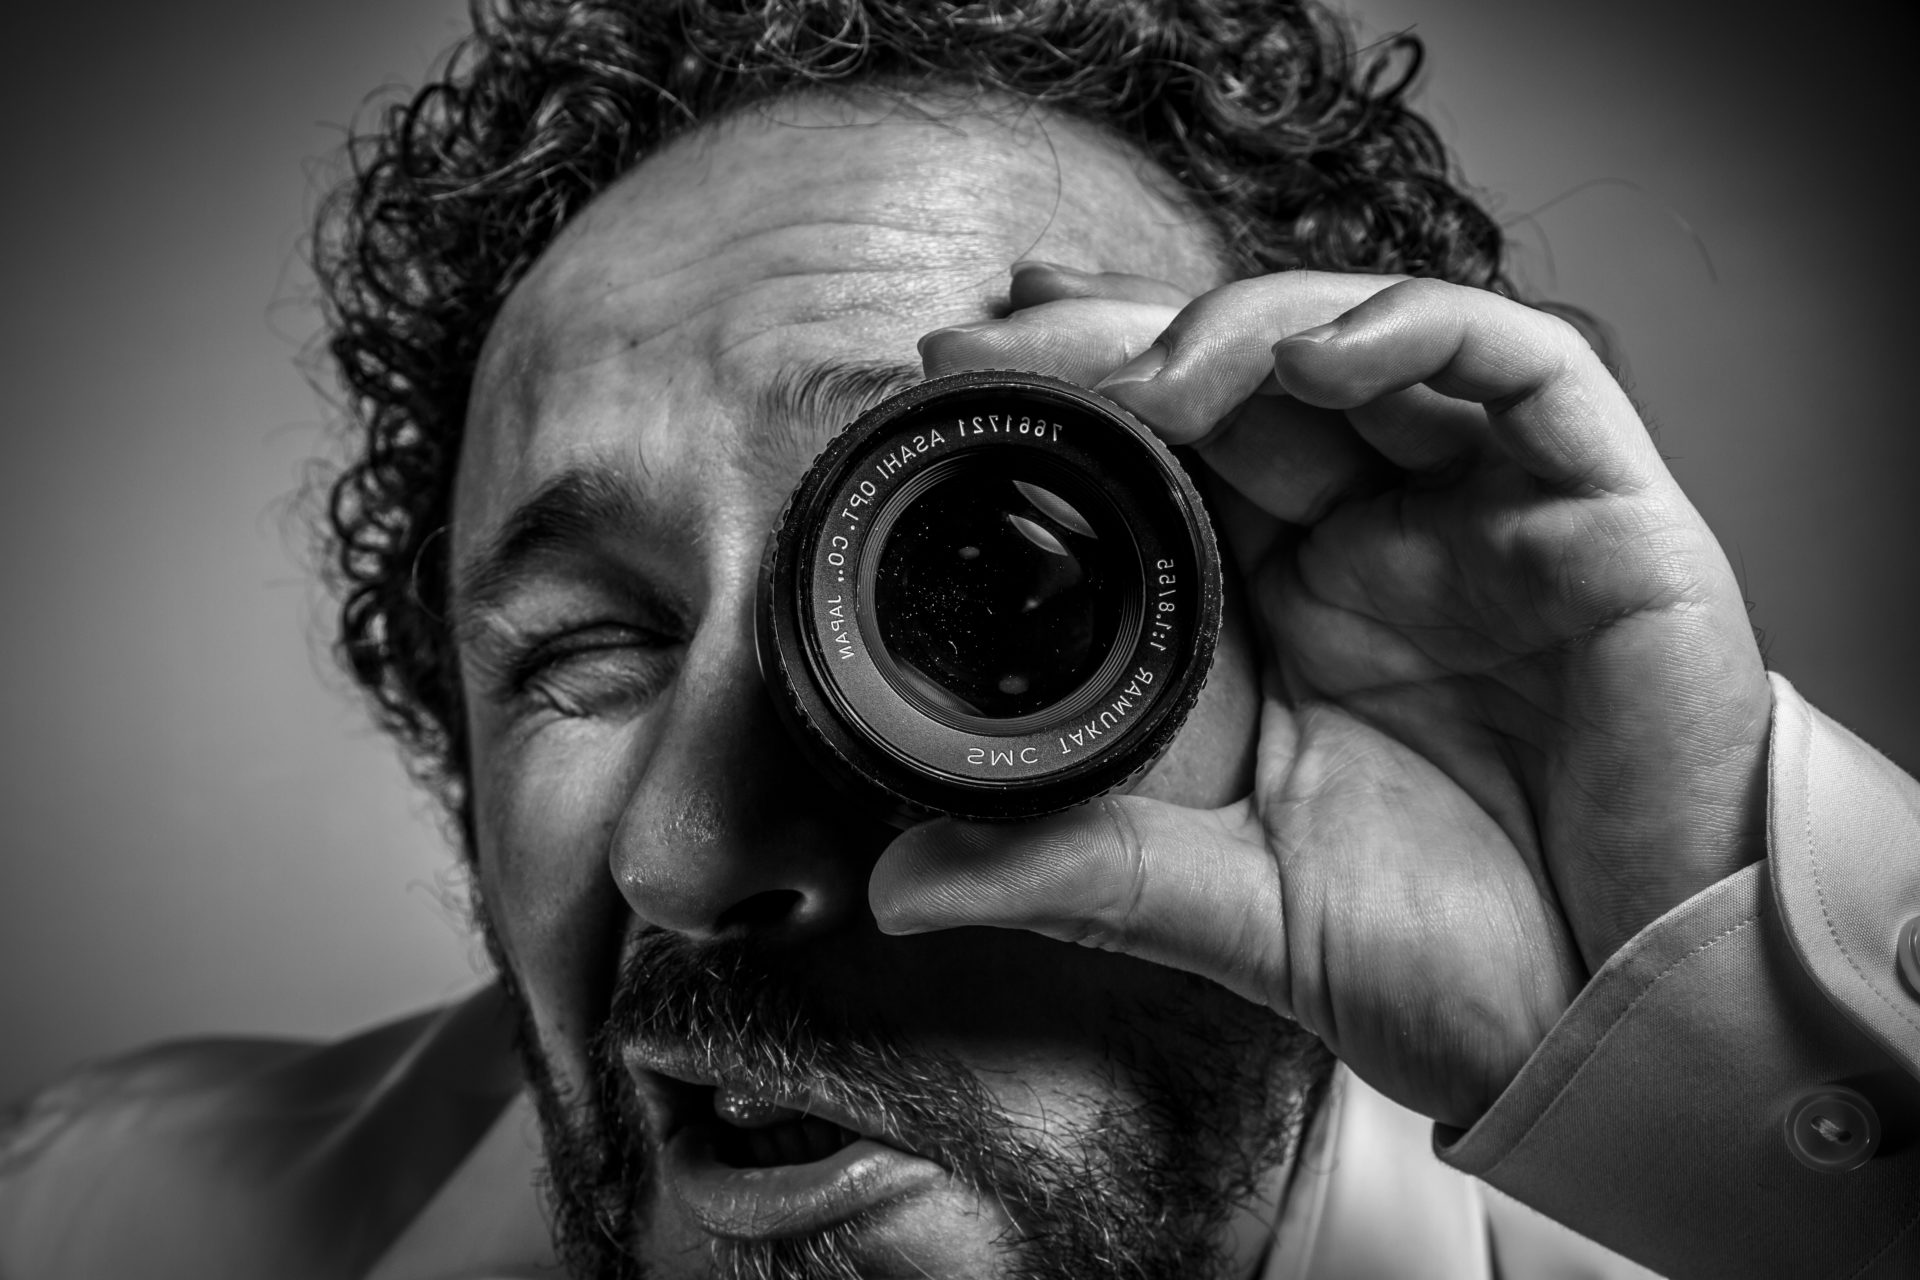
[597,672]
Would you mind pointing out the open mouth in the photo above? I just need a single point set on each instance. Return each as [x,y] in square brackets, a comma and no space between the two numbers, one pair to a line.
[747,1163]
[750,1127]
[750,1132]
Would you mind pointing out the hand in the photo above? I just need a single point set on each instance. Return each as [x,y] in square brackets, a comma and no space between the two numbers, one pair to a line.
[1512,708]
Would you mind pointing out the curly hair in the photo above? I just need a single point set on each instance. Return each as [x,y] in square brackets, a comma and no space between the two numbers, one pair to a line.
[1300,150]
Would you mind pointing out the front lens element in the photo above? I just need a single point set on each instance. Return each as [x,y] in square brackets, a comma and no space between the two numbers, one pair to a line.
[997,597]
[993,596]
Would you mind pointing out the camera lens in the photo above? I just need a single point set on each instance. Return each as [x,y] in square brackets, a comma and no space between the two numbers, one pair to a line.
[998,597]
[995,595]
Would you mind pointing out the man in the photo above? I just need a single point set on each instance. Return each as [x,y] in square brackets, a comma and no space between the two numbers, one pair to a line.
[1488,796]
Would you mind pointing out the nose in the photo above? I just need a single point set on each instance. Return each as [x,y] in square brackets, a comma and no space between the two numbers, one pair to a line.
[728,830]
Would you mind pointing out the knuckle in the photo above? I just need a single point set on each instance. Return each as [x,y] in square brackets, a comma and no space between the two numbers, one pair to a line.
[1303,297]
[1223,305]
[1562,331]
[1568,346]
[1119,863]
[1430,289]
[1425,296]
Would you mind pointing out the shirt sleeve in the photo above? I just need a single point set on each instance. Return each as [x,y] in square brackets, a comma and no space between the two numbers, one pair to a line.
[279,1159]
[1737,1092]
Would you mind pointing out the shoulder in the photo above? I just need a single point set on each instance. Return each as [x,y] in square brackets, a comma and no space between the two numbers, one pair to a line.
[245,1156]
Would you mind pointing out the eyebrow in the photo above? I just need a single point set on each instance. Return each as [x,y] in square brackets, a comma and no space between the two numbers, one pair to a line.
[584,503]
[799,399]
[567,513]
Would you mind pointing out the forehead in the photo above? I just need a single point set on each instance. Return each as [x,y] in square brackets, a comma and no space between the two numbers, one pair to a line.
[753,253]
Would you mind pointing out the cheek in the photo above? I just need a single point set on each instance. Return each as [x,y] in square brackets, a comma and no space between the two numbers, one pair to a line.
[544,817]
[1211,762]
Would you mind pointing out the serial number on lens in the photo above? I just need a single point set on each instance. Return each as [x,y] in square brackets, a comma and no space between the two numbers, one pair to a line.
[907,451]
[995,424]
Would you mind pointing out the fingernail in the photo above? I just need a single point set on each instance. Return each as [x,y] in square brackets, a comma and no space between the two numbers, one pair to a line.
[1144,367]
[1314,336]
[1037,264]
[893,918]
[978,326]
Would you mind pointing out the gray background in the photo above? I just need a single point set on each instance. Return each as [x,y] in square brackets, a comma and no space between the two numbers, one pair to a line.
[201,833]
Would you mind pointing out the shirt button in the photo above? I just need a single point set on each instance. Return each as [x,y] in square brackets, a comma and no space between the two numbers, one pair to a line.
[1909,951]
[1833,1130]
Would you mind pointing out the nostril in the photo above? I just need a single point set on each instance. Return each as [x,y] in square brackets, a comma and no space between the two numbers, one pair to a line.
[761,912]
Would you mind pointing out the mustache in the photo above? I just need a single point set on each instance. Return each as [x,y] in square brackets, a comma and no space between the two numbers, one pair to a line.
[733,1009]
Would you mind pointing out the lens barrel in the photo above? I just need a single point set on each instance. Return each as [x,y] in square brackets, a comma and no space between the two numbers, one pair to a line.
[994,596]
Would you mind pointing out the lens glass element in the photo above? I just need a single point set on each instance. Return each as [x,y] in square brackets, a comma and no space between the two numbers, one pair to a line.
[997,597]
[994,595]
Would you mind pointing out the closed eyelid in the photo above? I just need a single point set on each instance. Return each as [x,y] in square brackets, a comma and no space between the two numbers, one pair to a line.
[552,601]
[570,514]
[591,675]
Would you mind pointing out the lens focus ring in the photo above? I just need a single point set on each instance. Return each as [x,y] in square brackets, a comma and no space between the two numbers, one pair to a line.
[995,595]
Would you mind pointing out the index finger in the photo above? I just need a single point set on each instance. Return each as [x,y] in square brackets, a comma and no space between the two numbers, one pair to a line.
[1551,404]
[1218,350]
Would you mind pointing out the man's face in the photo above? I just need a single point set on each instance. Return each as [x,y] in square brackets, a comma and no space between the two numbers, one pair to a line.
[681,904]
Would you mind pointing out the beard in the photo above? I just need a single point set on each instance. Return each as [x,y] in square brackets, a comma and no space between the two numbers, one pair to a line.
[1196,1112]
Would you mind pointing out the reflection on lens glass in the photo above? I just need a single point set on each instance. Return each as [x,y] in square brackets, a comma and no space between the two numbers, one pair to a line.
[996,597]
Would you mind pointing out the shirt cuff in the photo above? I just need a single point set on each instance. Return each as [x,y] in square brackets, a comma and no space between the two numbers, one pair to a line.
[1657,1116]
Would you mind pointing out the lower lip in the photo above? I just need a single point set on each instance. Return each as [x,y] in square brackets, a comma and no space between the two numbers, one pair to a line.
[789,1199]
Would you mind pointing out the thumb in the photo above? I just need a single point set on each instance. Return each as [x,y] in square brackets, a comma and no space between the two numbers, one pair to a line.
[1192,889]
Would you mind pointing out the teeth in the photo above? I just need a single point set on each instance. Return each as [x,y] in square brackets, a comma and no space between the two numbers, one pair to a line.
[759,1134]
[748,1111]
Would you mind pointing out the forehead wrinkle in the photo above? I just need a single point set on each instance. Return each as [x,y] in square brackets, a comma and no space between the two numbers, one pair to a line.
[918,193]
[858,321]
[900,281]
[909,152]
[848,270]
[906,214]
